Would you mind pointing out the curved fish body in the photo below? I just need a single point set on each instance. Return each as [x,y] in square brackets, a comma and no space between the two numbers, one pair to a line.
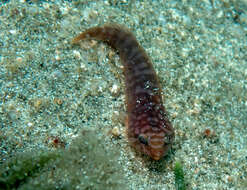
[148,127]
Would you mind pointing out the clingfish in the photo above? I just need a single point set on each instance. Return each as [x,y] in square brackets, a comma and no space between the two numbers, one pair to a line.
[148,128]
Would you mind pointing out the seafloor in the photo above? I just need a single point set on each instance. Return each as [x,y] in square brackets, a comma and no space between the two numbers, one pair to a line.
[62,107]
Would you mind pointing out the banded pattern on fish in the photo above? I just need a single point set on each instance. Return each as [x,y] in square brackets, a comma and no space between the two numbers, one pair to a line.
[148,127]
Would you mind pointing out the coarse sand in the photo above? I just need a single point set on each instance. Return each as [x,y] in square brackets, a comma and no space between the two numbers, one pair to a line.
[62,107]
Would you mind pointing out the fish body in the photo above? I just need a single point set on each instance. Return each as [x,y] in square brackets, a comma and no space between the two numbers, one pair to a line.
[148,127]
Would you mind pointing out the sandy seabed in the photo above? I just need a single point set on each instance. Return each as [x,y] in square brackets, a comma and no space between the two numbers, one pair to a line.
[53,93]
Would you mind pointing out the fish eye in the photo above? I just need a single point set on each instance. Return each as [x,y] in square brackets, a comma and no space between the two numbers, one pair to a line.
[167,140]
[142,139]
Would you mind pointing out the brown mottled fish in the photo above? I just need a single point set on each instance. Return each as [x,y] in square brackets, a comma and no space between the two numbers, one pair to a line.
[148,127]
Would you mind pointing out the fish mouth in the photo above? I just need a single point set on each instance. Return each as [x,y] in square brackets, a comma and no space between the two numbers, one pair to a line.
[157,155]
[156,158]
